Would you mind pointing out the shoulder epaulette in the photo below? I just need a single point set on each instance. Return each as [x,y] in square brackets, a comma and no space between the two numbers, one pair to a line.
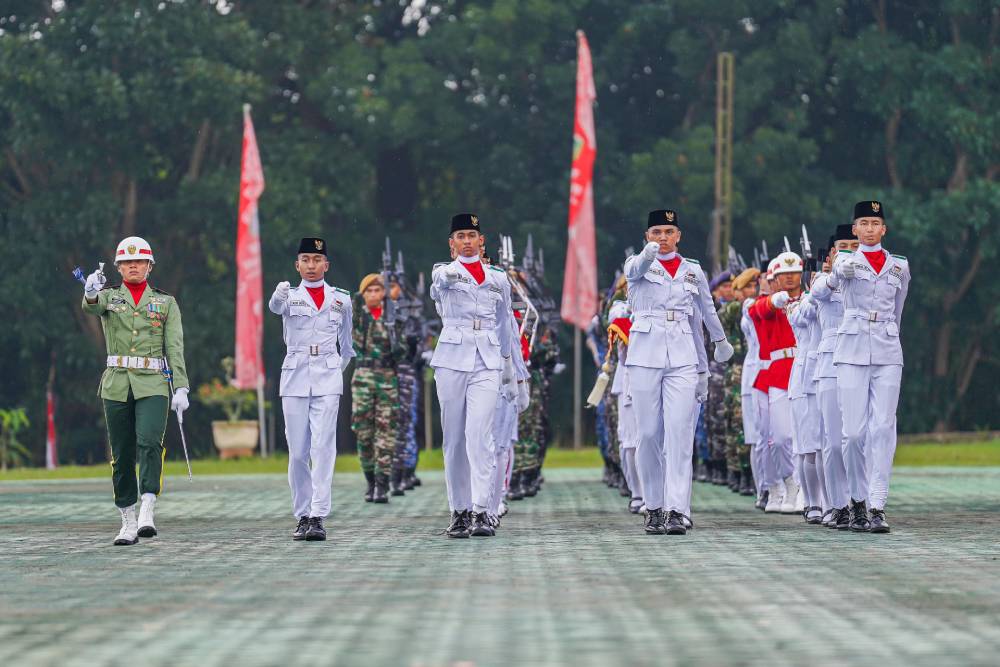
[158,290]
[901,257]
[497,268]
[693,261]
[342,291]
[441,264]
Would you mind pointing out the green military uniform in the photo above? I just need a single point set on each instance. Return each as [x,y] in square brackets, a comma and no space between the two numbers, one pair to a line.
[375,391]
[737,450]
[136,396]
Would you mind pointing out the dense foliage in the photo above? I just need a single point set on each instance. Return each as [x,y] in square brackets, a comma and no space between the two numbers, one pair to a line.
[385,117]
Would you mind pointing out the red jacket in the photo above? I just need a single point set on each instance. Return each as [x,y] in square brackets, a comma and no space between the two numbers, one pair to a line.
[775,333]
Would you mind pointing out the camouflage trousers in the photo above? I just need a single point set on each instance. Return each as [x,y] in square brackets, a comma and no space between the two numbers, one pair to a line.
[374,420]
[611,417]
[715,412]
[406,439]
[526,449]
[737,451]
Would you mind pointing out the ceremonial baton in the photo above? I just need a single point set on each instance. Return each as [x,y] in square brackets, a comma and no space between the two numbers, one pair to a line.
[169,374]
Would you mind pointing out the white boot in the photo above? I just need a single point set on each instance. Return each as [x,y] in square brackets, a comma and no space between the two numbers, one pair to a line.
[129,532]
[146,526]
[790,500]
[774,499]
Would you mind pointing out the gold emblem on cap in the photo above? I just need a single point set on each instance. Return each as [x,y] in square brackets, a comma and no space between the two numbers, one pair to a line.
[789,261]
[319,244]
[669,215]
[475,220]
[131,249]
[875,207]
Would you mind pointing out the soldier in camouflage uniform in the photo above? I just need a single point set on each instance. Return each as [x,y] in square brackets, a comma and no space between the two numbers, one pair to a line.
[375,389]
[405,461]
[737,450]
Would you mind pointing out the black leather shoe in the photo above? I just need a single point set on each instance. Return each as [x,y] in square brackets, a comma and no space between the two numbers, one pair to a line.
[516,491]
[842,519]
[747,487]
[654,522]
[878,522]
[762,501]
[859,517]
[408,483]
[370,478]
[397,483]
[299,533]
[413,477]
[381,489]
[316,531]
[481,526]
[458,527]
[675,523]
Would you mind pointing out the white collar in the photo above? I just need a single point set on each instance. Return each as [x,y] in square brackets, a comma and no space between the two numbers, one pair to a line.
[469,260]
[870,248]
[667,257]
[313,283]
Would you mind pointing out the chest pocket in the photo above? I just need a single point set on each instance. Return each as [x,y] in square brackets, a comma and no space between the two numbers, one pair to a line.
[655,277]
[332,319]
[894,281]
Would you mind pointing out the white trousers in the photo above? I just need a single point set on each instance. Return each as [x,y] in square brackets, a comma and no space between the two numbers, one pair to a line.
[779,422]
[504,428]
[664,399]
[311,433]
[763,472]
[750,435]
[468,401]
[628,435]
[837,492]
[868,399]
[806,422]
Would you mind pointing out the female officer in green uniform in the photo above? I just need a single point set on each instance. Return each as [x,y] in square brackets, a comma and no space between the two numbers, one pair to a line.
[144,337]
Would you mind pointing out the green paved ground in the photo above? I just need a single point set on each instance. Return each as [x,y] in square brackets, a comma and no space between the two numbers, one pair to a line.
[571,580]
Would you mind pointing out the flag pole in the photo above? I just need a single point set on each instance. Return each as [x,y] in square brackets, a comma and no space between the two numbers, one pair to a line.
[577,390]
[261,423]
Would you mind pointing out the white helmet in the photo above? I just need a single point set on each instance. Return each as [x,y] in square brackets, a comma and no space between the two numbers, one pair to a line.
[771,266]
[134,247]
[787,262]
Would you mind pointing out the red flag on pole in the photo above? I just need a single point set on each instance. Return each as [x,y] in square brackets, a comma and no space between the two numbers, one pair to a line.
[579,299]
[51,455]
[249,276]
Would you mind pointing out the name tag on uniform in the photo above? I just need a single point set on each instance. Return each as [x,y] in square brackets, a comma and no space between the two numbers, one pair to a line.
[691,279]
[656,272]
[494,288]
[297,302]
[338,306]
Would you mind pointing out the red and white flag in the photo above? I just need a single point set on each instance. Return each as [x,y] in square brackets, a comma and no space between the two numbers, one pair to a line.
[51,455]
[579,298]
[249,274]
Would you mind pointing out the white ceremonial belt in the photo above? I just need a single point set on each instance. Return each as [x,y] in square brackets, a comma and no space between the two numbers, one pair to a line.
[870,315]
[783,353]
[668,315]
[150,363]
[477,324]
[313,350]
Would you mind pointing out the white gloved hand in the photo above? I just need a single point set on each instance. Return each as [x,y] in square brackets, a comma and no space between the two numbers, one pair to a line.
[95,283]
[723,351]
[451,276]
[426,355]
[523,396]
[650,250]
[281,291]
[507,374]
[180,402]
[558,368]
[701,390]
[780,299]
[847,270]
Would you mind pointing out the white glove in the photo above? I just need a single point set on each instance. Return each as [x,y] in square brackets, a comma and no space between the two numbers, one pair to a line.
[427,355]
[701,390]
[180,401]
[558,368]
[651,250]
[847,270]
[451,276]
[523,396]
[779,300]
[281,291]
[507,375]
[723,351]
[95,283]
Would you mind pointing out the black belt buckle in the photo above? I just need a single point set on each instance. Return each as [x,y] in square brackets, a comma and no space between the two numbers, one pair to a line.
[314,350]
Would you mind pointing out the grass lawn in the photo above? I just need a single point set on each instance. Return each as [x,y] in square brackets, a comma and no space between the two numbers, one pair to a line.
[985,453]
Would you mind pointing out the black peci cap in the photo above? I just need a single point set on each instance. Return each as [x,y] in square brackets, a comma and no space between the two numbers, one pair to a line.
[662,217]
[311,246]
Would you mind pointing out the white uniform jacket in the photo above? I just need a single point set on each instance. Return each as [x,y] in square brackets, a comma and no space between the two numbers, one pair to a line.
[318,340]
[829,301]
[473,318]
[873,308]
[667,314]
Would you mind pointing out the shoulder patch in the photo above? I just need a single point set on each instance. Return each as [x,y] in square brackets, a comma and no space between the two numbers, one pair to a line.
[693,261]
[342,291]
[158,290]
[497,268]
[901,257]
[439,264]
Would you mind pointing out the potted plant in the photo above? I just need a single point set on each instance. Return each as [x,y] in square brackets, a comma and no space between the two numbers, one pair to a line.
[233,437]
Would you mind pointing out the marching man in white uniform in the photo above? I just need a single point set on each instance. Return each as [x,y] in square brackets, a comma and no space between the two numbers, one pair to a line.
[869,359]
[669,298]
[472,363]
[316,326]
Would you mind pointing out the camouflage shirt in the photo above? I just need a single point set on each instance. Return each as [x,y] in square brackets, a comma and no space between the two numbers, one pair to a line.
[372,341]
[730,315]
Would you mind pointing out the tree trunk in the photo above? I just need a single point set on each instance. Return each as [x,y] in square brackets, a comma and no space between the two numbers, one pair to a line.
[396,191]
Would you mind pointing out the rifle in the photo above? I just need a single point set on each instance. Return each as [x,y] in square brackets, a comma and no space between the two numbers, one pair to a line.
[807,255]
[388,305]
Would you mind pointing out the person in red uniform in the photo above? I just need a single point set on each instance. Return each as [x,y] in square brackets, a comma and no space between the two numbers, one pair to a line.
[778,339]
